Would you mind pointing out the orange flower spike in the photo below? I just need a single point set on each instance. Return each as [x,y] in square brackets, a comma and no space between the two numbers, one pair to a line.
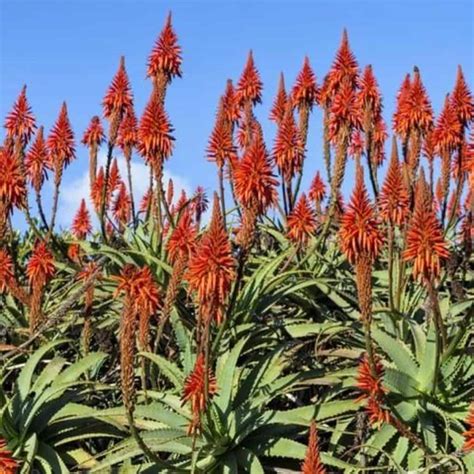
[118,99]
[425,245]
[254,182]
[370,384]
[344,68]
[429,146]
[359,233]
[301,222]
[122,209]
[221,147]
[317,190]
[165,58]
[60,141]
[12,181]
[249,87]
[462,101]
[417,109]
[94,135]
[278,109]
[114,177]
[37,161]
[369,94]
[145,291]
[40,267]
[81,224]
[195,391]
[20,122]
[305,92]
[401,125]
[312,463]
[8,465]
[182,240]
[394,200]
[448,128]
[469,434]
[230,104]
[6,270]
[127,134]
[288,150]
[379,138]
[155,142]
[211,268]
[170,192]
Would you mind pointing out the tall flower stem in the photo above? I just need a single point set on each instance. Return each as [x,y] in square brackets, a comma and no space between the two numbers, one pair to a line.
[39,205]
[57,184]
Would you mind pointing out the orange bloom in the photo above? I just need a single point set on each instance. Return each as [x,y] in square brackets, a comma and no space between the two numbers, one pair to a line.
[254,182]
[343,69]
[81,224]
[394,200]
[60,141]
[114,177]
[97,188]
[369,94]
[211,268]
[417,110]
[221,147]
[183,238]
[118,99]
[469,434]
[127,134]
[447,134]
[196,393]
[379,136]
[301,222]
[8,465]
[230,104]
[155,142]
[20,122]
[425,245]
[6,270]
[317,190]
[12,181]
[305,92]
[400,123]
[462,99]
[278,109]
[249,87]
[345,112]
[37,161]
[359,233]
[165,58]
[245,133]
[288,150]
[312,463]
[122,209]
[429,146]
[94,135]
[40,267]
[170,192]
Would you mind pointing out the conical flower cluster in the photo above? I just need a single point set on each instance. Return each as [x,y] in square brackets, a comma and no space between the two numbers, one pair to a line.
[37,162]
[305,92]
[249,87]
[20,122]
[81,224]
[312,463]
[301,221]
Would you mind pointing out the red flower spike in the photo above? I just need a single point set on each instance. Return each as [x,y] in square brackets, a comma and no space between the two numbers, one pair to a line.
[230,104]
[37,161]
[40,267]
[312,463]
[359,232]
[469,434]
[221,147]
[170,192]
[211,269]
[8,465]
[425,244]
[278,109]
[429,146]
[401,125]
[97,188]
[317,190]
[122,208]
[182,240]
[94,135]
[356,144]
[379,138]
[6,270]
[305,92]
[394,200]
[114,177]
[118,99]
[462,99]
[196,393]
[81,224]
[249,87]
[254,182]
[155,142]
[369,93]
[20,122]
[301,222]
[288,150]
[127,133]
[447,134]
[165,58]
[12,181]
[60,141]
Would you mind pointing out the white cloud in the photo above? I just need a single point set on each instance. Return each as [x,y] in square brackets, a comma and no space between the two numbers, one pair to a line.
[73,191]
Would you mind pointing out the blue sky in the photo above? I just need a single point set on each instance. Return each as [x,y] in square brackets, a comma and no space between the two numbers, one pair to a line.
[69,50]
